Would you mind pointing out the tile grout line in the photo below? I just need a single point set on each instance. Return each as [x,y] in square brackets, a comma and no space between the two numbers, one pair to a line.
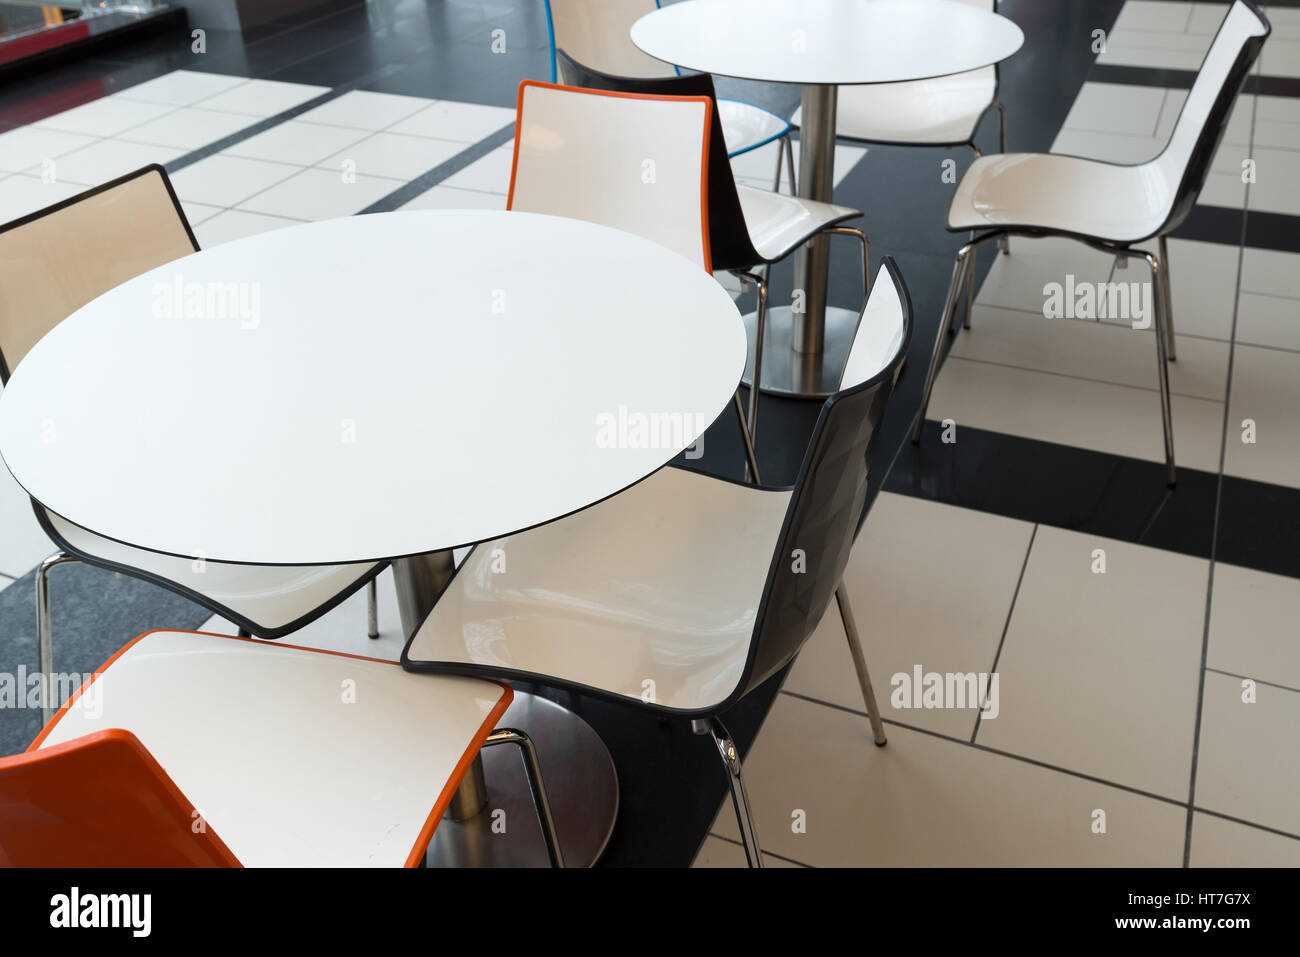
[1079,378]
[1218,516]
[1261,681]
[779,857]
[1006,625]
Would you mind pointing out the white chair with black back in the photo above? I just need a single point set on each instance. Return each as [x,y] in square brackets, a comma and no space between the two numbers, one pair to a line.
[594,34]
[1108,206]
[748,228]
[52,263]
[685,592]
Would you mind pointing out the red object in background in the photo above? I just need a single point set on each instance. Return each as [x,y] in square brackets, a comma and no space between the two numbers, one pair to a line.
[30,44]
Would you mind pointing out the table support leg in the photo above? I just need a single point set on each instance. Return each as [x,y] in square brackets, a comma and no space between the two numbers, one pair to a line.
[816,181]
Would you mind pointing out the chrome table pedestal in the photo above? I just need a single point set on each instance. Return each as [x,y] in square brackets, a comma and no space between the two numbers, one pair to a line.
[491,820]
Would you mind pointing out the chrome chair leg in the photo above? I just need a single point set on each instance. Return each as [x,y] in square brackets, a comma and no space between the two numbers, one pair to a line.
[749,422]
[536,785]
[1161,307]
[860,665]
[45,631]
[739,799]
[861,237]
[964,256]
[788,149]
[949,313]
[751,463]
[1169,302]
[970,293]
[1004,241]
[372,608]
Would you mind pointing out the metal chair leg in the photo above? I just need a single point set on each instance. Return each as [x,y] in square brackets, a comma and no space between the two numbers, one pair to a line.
[970,292]
[949,313]
[861,237]
[751,463]
[860,665]
[372,608]
[44,630]
[1169,302]
[739,799]
[1002,126]
[1161,306]
[789,164]
[749,422]
[536,785]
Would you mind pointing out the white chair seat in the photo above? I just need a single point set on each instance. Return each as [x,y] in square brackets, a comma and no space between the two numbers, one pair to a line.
[1062,194]
[660,583]
[272,596]
[779,223]
[746,126]
[294,757]
[941,111]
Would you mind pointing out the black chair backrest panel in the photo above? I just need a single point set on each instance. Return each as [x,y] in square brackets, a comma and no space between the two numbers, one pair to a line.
[729,244]
[1211,133]
[822,520]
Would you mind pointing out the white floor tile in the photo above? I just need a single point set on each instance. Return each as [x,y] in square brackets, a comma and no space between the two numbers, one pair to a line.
[233,224]
[104,160]
[1103,351]
[1265,389]
[227,180]
[1016,281]
[1091,415]
[450,120]
[930,585]
[199,212]
[389,154]
[20,195]
[364,110]
[446,197]
[181,87]
[30,146]
[1099,672]
[188,128]
[1248,766]
[320,194]
[1116,108]
[490,173]
[715,852]
[303,144]
[1220,843]
[1153,15]
[1253,619]
[107,116]
[263,97]
[927,801]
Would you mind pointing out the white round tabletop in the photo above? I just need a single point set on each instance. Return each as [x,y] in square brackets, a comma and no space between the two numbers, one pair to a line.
[827,41]
[372,387]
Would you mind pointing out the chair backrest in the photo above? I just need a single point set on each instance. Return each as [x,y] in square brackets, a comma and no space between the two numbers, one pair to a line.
[822,519]
[59,258]
[636,163]
[596,33]
[100,801]
[1184,163]
[730,246]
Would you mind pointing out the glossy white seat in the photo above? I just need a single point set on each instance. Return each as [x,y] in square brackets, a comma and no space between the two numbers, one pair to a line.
[1108,205]
[272,600]
[690,617]
[595,33]
[944,111]
[294,757]
[779,224]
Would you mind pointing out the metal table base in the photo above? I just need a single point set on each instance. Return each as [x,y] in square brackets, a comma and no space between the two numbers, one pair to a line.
[803,375]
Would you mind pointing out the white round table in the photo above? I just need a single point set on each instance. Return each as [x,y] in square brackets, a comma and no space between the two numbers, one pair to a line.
[822,44]
[381,386]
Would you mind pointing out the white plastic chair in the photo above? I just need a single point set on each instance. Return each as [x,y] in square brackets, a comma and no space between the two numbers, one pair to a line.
[1109,206]
[683,593]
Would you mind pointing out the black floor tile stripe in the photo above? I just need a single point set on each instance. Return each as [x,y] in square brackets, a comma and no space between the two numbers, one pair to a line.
[1263,84]
[426,181]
